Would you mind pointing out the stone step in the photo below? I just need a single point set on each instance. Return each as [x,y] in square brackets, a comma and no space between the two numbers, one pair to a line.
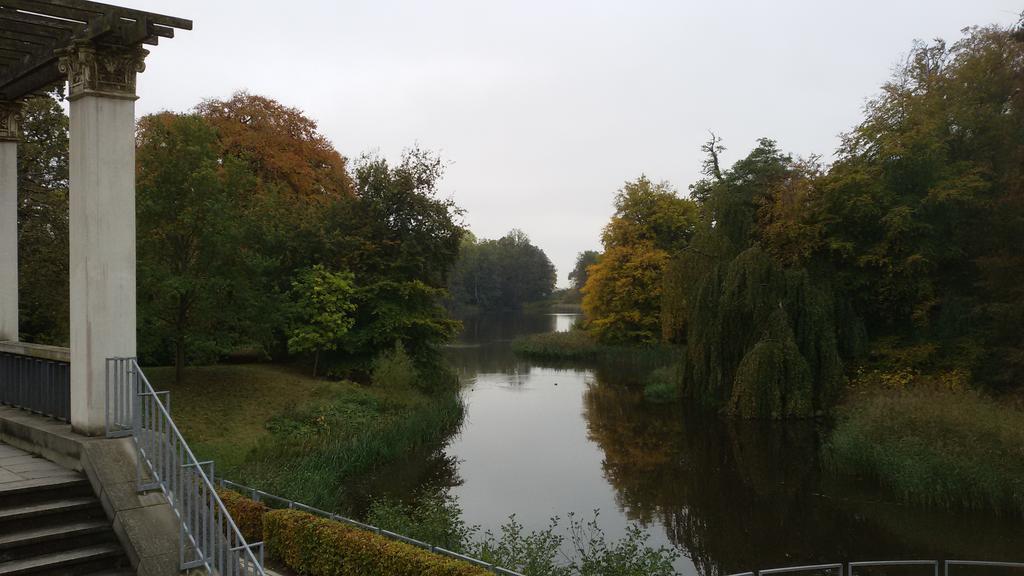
[64,562]
[48,508]
[47,533]
[41,489]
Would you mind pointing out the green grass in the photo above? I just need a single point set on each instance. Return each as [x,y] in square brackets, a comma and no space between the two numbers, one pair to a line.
[938,449]
[578,345]
[280,430]
[662,385]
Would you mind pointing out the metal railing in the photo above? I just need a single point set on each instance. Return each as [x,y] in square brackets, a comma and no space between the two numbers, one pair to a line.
[209,536]
[269,499]
[40,385]
[850,567]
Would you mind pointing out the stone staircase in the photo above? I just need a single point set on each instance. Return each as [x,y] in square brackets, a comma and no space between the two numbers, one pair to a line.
[51,523]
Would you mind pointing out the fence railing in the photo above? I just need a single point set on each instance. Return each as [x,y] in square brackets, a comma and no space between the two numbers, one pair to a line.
[209,537]
[271,499]
[36,378]
[837,569]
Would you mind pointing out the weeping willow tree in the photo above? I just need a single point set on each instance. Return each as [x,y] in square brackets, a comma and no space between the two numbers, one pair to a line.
[764,336]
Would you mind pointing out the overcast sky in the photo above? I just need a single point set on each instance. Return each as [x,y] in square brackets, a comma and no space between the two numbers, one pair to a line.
[544,109]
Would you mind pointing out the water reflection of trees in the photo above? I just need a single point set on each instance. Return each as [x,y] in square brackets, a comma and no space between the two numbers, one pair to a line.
[737,496]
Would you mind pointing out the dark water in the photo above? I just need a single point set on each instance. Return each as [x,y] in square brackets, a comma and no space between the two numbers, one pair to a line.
[541,441]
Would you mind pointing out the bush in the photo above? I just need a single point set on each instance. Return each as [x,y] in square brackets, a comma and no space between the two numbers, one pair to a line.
[315,546]
[247,514]
[579,345]
[436,519]
[394,369]
[662,385]
[935,448]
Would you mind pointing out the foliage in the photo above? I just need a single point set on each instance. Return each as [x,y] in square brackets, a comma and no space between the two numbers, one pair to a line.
[314,452]
[316,546]
[922,213]
[323,302]
[196,295]
[501,274]
[43,222]
[581,272]
[400,240]
[622,294]
[589,553]
[935,448]
[662,384]
[433,518]
[765,329]
[246,513]
[580,345]
[394,369]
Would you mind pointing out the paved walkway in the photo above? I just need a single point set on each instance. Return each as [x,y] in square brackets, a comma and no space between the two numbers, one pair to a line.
[18,468]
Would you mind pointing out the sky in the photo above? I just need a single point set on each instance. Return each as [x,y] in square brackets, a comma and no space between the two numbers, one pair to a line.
[543,110]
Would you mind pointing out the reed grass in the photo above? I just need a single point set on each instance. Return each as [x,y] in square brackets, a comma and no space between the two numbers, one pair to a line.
[952,450]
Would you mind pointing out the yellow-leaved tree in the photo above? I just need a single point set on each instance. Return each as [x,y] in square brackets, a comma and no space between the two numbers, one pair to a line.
[622,295]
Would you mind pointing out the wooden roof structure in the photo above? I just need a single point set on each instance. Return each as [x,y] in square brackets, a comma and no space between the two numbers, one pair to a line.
[32,32]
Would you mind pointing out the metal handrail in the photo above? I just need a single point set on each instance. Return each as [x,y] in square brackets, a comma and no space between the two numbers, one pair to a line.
[851,565]
[209,537]
[260,496]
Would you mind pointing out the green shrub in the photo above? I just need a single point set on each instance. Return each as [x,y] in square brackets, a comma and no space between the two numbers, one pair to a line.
[315,546]
[433,518]
[935,448]
[662,385]
[394,369]
[247,514]
[579,345]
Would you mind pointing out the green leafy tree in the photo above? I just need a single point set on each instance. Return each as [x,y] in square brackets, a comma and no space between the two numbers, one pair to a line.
[400,240]
[501,274]
[43,222]
[196,296]
[323,302]
[581,271]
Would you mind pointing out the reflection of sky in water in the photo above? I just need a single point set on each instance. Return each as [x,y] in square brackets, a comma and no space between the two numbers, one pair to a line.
[734,496]
[524,450]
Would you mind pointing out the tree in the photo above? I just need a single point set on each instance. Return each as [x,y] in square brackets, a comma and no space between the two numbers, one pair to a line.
[622,294]
[501,274]
[43,274]
[323,301]
[581,271]
[400,240]
[761,329]
[196,289]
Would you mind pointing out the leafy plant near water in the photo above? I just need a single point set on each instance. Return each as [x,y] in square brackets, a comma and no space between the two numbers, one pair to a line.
[662,385]
[580,549]
[312,451]
[578,345]
[936,448]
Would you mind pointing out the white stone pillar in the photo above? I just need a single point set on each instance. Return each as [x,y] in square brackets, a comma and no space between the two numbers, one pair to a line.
[102,223]
[9,135]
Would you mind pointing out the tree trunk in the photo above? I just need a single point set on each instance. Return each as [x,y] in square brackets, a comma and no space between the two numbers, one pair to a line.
[316,362]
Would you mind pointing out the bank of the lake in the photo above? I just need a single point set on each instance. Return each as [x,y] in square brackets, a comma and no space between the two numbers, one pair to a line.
[929,447]
[308,439]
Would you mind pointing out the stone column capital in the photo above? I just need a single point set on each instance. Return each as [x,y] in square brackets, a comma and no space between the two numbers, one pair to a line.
[10,121]
[99,70]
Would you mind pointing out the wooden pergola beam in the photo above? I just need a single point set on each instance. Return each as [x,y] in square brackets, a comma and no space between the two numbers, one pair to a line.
[33,32]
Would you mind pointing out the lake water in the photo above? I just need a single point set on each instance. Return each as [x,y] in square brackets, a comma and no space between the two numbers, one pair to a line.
[542,440]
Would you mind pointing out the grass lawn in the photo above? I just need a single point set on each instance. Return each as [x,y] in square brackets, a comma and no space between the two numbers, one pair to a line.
[223,411]
[276,428]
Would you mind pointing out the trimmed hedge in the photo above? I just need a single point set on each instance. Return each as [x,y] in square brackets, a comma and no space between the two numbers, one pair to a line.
[315,546]
[247,514]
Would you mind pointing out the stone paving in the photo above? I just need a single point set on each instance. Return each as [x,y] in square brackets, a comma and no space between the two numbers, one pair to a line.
[19,468]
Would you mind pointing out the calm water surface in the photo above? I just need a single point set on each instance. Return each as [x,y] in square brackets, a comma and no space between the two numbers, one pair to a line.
[541,441]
